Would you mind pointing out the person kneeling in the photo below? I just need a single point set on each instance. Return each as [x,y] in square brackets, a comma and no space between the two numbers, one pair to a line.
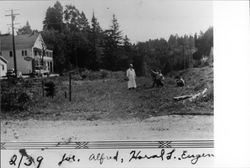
[180,81]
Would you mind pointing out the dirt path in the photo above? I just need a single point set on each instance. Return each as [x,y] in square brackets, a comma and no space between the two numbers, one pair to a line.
[164,127]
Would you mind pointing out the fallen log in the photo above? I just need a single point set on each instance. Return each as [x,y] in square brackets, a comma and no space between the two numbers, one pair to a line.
[191,97]
[179,98]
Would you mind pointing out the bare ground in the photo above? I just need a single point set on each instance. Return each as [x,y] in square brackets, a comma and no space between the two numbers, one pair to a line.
[155,128]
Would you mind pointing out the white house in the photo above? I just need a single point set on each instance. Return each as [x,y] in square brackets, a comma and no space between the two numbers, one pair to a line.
[31,52]
[3,66]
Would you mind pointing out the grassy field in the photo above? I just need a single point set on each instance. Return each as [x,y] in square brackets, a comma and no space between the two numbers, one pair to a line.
[109,98]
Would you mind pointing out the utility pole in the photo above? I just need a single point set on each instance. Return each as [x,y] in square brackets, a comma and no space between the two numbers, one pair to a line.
[183,56]
[13,15]
[70,90]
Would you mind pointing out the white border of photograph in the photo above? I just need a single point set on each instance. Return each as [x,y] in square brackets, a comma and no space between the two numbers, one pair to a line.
[232,83]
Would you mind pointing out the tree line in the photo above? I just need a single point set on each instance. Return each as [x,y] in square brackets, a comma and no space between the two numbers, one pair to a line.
[79,43]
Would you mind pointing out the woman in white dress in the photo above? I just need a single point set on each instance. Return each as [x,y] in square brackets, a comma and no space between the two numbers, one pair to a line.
[131,77]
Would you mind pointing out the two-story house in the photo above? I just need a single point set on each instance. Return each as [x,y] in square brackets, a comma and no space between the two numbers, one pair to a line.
[31,52]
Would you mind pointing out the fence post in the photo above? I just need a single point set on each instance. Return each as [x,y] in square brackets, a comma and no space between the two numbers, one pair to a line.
[70,86]
[42,87]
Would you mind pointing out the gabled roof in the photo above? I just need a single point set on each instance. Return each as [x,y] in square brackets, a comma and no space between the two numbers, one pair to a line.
[21,41]
[3,59]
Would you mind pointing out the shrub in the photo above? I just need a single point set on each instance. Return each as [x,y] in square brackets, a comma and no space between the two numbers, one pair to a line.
[28,83]
[104,74]
[50,89]
[16,100]
[18,94]
[23,98]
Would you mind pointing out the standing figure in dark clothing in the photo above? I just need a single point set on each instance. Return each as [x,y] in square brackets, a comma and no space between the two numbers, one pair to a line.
[157,78]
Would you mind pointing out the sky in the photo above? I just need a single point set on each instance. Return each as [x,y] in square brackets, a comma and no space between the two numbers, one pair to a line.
[140,20]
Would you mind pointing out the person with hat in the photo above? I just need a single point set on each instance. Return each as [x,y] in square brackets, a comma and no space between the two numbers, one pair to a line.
[131,77]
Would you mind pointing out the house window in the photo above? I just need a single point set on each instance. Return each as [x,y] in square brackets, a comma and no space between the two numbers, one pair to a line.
[24,52]
[10,53]
[2,67]
[35,53]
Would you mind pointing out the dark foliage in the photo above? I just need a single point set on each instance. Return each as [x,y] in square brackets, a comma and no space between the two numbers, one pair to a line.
[76,43]
[49,89]
[14,96]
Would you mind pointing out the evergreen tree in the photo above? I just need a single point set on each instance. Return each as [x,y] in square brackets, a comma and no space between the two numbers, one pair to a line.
[77,43]
[203,43]
[113,41]
[95,26]
[83,23]
[115,32]
[54,18]
[75,20]
[71,15]
[126,44]
[25,29]
[56,42]
[96,38]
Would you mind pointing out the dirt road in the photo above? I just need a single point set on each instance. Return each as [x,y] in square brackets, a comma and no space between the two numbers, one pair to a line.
[154,128]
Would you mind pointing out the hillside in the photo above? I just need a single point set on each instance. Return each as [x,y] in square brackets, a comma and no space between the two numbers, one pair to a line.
[109,98]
